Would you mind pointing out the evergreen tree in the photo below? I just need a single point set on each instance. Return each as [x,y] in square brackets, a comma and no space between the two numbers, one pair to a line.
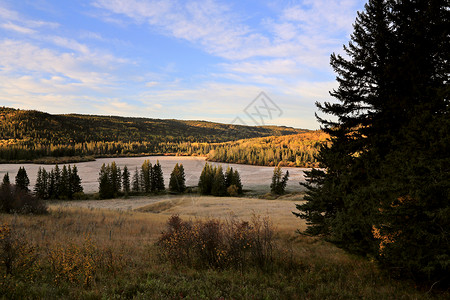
[177,179]
[51,183]
[181,179]
[63,189]
[229,176]
[75,181]
[40,188]
[146,176]
[6,179]
[236,181]
[126,180]
[136,184]
[218,187]
[6,196]
[115,178]
[384,191]
[279,181]
[105,185]
[22,180]
[206,180]
[56,182]
[157,178]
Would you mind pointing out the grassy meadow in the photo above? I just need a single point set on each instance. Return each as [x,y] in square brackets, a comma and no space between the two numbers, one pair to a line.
[96,253]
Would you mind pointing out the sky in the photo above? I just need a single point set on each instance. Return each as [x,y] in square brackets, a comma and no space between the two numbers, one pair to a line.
[242,62]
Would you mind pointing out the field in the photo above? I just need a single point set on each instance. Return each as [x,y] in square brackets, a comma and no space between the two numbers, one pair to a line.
[97,253]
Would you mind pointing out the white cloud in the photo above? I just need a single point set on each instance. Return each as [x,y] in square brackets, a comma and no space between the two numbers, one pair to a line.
[17,28]
[11,15]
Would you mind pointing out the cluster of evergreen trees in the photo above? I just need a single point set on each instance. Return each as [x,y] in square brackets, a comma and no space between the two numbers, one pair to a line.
[17,198]
[385,191]
[111,180]
[213,181]
[177,183]
[149,179]
[279,181]
[58,183]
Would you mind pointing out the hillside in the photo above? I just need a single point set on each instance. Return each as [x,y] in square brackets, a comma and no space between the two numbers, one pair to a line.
[23,125]
[29,134]
[296,150]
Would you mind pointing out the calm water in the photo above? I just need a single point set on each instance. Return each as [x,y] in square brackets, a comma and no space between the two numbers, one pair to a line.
[252,177]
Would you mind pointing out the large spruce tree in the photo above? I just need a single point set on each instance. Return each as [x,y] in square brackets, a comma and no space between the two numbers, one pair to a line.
[177,183]
[384,189]
[22,180]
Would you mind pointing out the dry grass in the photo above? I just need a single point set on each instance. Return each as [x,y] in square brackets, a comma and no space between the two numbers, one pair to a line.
[280,210]
[124,242]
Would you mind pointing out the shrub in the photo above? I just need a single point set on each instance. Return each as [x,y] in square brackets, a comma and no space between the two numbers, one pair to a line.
[233,190]
[17,200]
[74,263]
[17,257]
[218,245]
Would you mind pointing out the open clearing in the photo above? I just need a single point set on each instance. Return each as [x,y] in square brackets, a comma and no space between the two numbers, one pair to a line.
[195,206]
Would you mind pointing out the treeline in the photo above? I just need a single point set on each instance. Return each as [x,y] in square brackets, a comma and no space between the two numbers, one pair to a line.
[31,151]
[214,182]
[65,183]
[298,150]
[59,183]
[113,182]
[28,135]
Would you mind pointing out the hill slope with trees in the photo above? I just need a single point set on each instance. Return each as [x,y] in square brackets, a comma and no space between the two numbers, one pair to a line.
[297,150]
[28,134]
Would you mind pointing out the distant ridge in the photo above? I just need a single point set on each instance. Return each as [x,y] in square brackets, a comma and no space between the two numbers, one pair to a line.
[32,125]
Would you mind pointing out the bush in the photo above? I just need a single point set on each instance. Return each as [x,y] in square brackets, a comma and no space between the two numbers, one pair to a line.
[218,245]
[233,191]
[17,257]
[16,200]
[75,263]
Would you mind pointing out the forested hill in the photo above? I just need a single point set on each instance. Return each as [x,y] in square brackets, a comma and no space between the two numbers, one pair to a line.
[28,135]
[39,127]
[297,150]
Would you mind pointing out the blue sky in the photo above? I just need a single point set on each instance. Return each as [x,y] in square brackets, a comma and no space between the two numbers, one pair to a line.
[202,60]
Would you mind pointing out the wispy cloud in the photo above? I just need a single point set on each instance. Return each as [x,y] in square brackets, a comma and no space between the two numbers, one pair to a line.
[17,28]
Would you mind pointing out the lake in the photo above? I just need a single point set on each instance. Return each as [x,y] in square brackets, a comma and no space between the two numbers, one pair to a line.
[255,178]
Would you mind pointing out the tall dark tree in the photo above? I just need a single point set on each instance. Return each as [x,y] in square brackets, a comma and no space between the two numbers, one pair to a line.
[22,180]
[206,179]
[75,181]
[41,187]
[157,178]
[6,179]
[177,179]
[229,176]
[6,195]
[218,187]
[136,183]
[383,190]
[236,181]
[64,188]
[146,176]
[126,180]
[116,178]
[105,185]
[56,181]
